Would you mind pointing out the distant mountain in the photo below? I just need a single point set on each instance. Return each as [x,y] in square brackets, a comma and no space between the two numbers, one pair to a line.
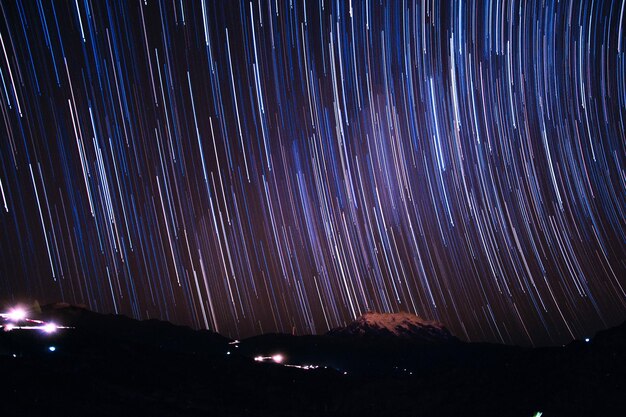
[118,331]
[614,336]
[396,325]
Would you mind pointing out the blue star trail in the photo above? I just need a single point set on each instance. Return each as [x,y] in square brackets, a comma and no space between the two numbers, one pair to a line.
[258,166]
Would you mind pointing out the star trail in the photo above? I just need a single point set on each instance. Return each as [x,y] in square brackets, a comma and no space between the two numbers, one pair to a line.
[263,166]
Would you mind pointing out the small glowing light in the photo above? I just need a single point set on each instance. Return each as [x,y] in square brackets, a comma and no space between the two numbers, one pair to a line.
[52,348]
[278,358]
[16,314]
[14,355]
[228,353]
[538,414]
[49,328]
[9,327]
[258,358]
[587,340]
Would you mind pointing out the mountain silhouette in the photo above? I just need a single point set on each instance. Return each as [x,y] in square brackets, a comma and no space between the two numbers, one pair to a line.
[114,365]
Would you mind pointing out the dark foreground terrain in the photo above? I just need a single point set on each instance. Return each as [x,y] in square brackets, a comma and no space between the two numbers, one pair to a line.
[114,366]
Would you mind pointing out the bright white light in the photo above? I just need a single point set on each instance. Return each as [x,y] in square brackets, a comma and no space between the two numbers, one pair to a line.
[587,340]
[228,353]
[278,358]
[52,348]
[49,327]
[258,358]
[16,314]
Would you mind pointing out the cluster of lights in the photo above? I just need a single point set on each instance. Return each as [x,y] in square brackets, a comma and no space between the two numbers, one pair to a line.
[17,318]
[277,358]
[305,367]
[280,359]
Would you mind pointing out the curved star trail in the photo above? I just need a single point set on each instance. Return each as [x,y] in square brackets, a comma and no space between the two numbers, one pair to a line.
[288,165]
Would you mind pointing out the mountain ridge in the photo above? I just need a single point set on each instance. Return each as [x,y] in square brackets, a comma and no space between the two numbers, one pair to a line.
[115,365]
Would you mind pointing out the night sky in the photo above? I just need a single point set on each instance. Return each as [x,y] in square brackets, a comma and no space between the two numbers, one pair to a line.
[260,166]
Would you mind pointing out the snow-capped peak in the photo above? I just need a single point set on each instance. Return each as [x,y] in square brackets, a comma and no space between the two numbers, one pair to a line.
[394,321]
[402,325]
